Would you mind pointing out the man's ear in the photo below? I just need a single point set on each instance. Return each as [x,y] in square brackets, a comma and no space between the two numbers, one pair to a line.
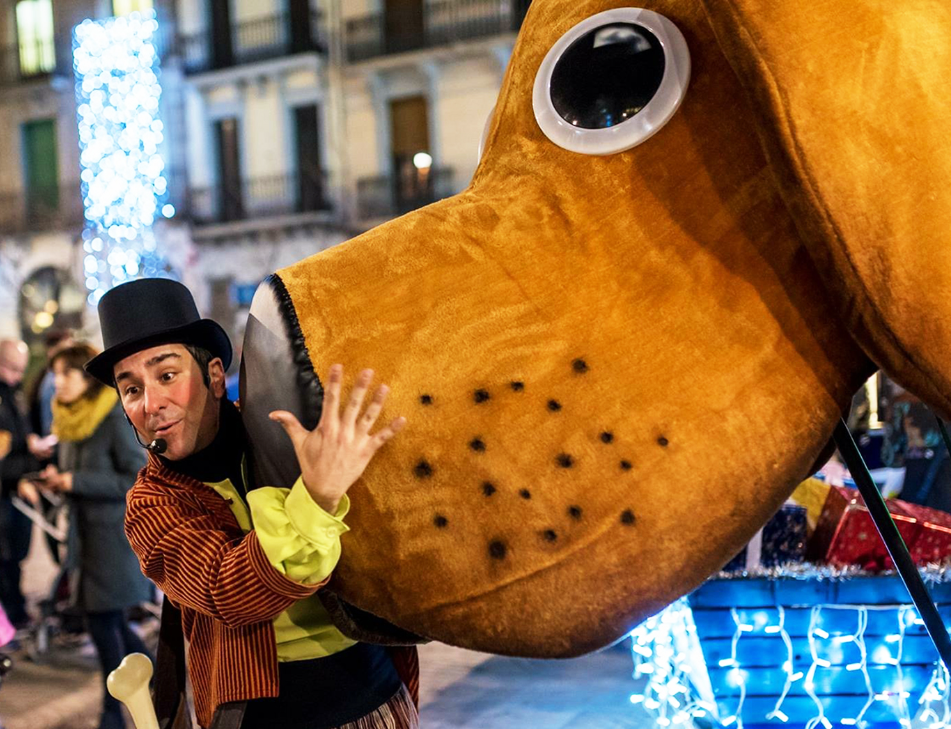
[216,377]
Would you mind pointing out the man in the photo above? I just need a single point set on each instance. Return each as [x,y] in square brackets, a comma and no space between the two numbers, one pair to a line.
[15,528]
[244,566]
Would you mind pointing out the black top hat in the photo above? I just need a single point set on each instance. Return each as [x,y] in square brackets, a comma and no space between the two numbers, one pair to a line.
[148,312]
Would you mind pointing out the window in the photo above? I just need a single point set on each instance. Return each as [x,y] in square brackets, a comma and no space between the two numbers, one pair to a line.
[230,192]
[50,301]
[35,37]
[40,169]
[126,7]
[310,195]
[409,147]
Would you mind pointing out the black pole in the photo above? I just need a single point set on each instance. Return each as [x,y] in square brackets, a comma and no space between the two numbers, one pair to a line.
[944,434]
[894,543]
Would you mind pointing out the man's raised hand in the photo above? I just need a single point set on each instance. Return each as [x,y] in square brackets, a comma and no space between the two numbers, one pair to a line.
[334,455]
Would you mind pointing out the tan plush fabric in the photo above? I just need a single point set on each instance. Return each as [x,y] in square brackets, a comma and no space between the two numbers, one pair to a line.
[853,108]
[661,296]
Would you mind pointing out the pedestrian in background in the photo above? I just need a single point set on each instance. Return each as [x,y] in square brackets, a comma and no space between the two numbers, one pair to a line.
[41,441]
[15,528]
[42,393]
[98,463]
[913,440]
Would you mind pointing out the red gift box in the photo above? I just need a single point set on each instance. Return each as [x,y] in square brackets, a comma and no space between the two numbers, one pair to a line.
[934,541]
[846,535]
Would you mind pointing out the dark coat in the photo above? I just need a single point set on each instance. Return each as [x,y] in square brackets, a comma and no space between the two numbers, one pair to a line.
[18,461]
[104,467]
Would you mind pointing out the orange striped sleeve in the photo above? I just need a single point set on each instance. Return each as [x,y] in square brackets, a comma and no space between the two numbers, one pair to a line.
[184,551]
[406,662]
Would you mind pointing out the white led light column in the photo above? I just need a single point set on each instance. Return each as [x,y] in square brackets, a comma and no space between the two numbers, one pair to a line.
[123,175]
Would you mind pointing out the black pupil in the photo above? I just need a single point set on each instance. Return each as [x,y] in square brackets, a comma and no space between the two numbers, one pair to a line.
[607,76]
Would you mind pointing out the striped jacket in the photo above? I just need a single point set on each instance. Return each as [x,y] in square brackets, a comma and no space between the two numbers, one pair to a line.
[190,545]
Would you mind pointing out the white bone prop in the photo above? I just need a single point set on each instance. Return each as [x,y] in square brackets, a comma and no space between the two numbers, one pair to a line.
[129,683]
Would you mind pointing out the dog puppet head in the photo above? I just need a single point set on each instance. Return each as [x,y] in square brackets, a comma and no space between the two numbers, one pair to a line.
[692,229]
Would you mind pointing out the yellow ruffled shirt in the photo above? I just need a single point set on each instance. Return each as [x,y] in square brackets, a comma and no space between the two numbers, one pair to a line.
[301,541]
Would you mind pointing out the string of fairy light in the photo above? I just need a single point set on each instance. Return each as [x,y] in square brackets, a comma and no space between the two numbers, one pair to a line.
[120,134]
[666,654]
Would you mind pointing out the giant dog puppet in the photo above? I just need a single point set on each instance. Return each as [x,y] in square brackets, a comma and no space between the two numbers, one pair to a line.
[616,366]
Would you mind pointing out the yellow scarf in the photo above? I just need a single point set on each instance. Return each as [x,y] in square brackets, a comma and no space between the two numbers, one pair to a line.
[79,420]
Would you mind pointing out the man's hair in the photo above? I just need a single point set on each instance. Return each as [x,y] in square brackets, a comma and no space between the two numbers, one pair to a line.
[74,357]
[203,357]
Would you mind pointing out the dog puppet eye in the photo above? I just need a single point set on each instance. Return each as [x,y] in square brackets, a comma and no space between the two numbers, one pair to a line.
[611,81]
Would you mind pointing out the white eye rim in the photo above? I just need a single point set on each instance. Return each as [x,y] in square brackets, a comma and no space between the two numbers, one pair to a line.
[643,125]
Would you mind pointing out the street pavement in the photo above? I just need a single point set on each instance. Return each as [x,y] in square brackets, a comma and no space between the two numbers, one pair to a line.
[62,689]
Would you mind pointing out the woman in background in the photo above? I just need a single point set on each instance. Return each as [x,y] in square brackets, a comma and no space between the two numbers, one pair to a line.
[98,463]
[913,440]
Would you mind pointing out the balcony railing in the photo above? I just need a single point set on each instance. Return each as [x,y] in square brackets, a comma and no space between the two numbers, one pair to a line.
[41,210]
[388,196]
[41,59]
[438,22]
[257,40]
[259,198]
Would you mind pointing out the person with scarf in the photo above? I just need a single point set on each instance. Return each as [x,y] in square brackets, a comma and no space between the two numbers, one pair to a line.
[98,463]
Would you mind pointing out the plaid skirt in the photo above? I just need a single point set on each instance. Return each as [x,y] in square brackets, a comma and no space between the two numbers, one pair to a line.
[397,713]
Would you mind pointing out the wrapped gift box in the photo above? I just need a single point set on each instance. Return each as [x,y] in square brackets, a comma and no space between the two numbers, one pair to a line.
[933,544]
[781,540]
[811,494]
[846,535]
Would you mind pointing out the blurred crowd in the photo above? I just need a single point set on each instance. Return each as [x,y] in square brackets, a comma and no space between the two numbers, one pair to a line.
[67,459]
[907,452]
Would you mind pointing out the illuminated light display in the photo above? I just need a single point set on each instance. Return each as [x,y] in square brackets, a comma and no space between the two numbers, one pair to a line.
[808,666]
[665,653]
[123,174]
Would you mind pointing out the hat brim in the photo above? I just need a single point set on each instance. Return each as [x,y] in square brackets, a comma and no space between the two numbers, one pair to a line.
[202,333]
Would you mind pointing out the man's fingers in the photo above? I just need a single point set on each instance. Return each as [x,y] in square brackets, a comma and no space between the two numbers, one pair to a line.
[330,411]
[373,410]
[388,432]
[295,431]
[356,399]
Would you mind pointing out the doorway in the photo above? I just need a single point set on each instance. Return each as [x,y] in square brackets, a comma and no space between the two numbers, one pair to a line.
[300,20]
[227,147]
[403,25]
[222,46]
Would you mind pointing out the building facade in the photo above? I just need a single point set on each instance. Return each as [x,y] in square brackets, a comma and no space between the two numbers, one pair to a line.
[289,126]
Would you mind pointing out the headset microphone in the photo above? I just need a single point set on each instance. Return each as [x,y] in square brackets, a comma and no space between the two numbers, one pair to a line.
[157,446]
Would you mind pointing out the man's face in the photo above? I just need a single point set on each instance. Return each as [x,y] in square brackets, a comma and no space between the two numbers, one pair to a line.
[164,395]
[13,361]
